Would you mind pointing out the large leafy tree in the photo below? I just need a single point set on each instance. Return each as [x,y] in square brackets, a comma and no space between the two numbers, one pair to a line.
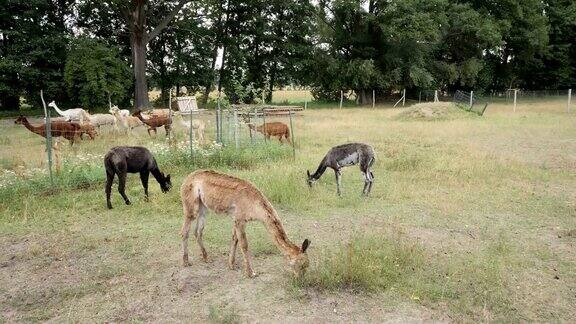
[33,42]
[135,19]
[95,73]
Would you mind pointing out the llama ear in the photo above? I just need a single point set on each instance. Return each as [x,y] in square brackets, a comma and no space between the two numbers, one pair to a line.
[168,177]
[308,173]
[305,245]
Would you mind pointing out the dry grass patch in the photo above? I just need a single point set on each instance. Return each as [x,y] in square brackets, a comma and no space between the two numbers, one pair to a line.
[434,111]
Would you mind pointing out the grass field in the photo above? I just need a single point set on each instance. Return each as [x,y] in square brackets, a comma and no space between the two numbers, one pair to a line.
[470,219]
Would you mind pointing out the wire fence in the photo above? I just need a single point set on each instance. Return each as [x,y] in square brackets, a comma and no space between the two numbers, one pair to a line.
[196,134]
[481,101]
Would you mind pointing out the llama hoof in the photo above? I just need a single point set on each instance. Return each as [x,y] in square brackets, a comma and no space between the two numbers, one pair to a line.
[146,199]
[231,266]
[251,274]
[186,263]
[128,202]
[109,206]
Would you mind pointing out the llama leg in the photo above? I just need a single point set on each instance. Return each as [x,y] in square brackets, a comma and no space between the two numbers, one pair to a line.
[122,185]
[233,245]
[188,218]
[200,229]
[366,182]
[109,180]
[241,232]
[371,181]
[144,178]
[338,177]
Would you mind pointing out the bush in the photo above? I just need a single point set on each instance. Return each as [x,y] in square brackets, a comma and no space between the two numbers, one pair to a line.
[93,71]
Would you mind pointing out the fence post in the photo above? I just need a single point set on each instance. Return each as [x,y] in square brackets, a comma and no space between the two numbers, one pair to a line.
[218,121]
[250,122]
[169,113]
[471,99]
[48,125]
[569,99]
[404,97]
[292,135]
[341,98]
[515,96]
[236,139]
[436,96]
[373,98]
[264,124]
[419,96]
[305,102]
[191,134]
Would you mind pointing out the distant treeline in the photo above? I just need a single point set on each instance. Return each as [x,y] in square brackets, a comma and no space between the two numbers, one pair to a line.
[81,53]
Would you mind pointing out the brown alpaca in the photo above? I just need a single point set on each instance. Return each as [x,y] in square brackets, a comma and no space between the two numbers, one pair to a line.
[221,193]
[88,129]
[273,129]
[68,130]
[154,122]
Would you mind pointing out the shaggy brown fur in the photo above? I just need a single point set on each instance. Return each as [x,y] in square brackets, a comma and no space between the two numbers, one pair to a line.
[68,130]
[221,193]
[89,130]
[273,129]
[155,121]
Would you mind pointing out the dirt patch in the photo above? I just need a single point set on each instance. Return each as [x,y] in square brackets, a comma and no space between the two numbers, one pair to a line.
[433,111]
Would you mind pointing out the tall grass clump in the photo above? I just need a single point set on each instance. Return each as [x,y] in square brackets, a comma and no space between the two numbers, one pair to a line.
[474,286]
[364,264]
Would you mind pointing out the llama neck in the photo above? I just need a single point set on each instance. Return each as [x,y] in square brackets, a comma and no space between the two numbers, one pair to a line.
[320,171]
[33,129]
[60,112]
[275,228]
[157,175]
[139,116]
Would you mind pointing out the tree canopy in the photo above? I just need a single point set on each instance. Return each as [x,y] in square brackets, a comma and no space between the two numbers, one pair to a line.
[328,45]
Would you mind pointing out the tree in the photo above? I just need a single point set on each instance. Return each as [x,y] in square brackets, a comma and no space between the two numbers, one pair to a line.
[94,73]
[133,17]
[33,42]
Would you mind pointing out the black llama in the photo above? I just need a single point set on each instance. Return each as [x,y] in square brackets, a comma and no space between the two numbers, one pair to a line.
[346,155]
[121,160]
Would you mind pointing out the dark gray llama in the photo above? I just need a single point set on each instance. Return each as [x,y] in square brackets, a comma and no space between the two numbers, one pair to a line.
[121,160]
[346,155]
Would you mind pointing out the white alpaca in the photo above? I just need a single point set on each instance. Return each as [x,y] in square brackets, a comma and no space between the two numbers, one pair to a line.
[98,120]
[197,125]
[71,114]
[126,123]
[123,112]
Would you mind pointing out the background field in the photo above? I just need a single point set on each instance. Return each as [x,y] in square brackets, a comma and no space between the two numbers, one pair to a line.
[470,219]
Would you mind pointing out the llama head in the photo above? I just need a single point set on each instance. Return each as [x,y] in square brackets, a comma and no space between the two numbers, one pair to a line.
[166,184]
[114,109]
[20,120]
[299,262]
[52,104]
[310,179]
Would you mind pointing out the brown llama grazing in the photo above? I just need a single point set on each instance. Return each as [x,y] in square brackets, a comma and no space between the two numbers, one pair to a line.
[154,122]
[221,193]
[68,130]
[88,129]
[273,129]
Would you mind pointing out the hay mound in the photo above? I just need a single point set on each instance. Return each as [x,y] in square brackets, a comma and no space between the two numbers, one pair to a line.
[433,111]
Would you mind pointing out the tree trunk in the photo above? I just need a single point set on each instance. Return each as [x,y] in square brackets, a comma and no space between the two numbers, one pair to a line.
[272,80]
[141,89]
[364,96]
[209,82]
